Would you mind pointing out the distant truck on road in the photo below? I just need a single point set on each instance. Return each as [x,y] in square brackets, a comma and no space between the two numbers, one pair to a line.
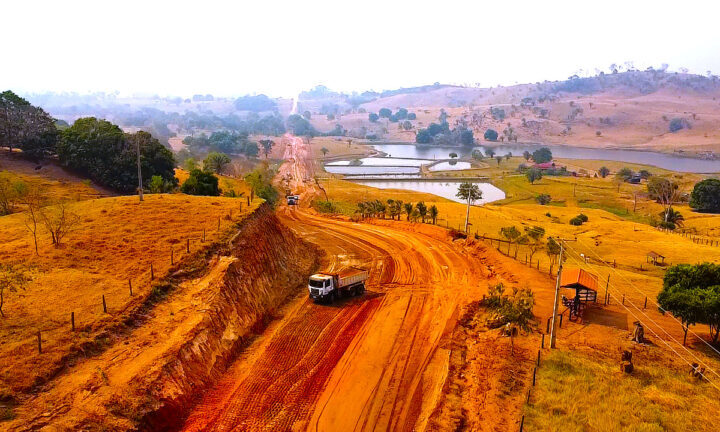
[293,199]
[329,286]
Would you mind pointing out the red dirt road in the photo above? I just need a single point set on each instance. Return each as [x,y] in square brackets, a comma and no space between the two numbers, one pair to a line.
[375,362]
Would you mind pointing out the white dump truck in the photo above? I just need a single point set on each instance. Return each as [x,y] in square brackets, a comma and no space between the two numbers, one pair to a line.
[329,286]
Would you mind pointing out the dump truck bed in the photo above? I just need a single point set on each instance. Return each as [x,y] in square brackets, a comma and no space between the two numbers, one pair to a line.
[350,276]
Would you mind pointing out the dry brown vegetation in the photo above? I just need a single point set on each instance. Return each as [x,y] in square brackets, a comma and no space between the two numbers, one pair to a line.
[113,244]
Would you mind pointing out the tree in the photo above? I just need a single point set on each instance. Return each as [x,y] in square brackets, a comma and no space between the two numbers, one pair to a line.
[498,159]
[512,234]
[542,155]
[692,293]
[215,162]
[267,145]
[677,124]
[324,151]
[466,137]
[11,193]
[300,126]
[189,165]
[260,182]
[373,117]
[453,155]
[407,125]
[422,210]
[159,185]
[470,192]
[33,200]
[705,196]
[433,213]
[490,152]
[101,151]
[423,137]
[12,278]
[552,249]
[490,135]
[664,191]
[527,155]
[59,221]
[201,183]
[27,127]
[385,113]
[671,219]
[533,239]
[412,116]
[533,175]
[408,207]
[307,115]
[604,171]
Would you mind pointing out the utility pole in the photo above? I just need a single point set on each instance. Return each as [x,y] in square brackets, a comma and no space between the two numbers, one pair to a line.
[553,328]
[467,214]
[140,186]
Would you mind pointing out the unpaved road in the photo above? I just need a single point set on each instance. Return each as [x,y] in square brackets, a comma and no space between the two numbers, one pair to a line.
[375,362]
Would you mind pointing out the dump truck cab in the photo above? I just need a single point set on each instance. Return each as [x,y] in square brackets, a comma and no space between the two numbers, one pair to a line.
[292,199]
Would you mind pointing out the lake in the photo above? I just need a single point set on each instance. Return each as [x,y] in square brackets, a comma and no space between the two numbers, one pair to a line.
[445,189]
[660,160]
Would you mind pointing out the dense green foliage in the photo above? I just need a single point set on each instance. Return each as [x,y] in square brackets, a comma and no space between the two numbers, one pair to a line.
[101,151]
[27,127]
[215,162]
[533,175]
[705,196]
[373,117]
[260,182]
[692,293]
[440,134]
[515,309]
[201,183]
[228,142]
[490,135]
[542,155]
[469,191]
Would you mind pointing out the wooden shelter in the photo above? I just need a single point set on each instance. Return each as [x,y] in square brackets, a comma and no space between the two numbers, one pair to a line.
[653,257]
[585,286]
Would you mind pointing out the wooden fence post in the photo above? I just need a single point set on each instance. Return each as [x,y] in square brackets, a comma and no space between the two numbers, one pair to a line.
[152,273]
[172,256]
[203,235]
[542,341]
[645,305]
[522,422]
[187,246]
[104,304]
[534,373]
[130,286]
[72,320]
[39,340]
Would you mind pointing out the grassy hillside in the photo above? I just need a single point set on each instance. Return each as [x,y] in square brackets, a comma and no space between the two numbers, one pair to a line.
[113,245]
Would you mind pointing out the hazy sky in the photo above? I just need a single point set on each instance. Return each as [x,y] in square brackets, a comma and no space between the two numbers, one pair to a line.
[282,47]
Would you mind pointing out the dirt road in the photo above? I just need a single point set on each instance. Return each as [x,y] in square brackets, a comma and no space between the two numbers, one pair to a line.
[375,362]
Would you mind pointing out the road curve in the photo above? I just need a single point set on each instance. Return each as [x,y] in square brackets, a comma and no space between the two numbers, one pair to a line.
[369,363]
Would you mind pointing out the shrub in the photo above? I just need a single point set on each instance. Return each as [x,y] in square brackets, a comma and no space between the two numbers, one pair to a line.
[324,207]
[516,308]
[542,155]
[677,124]
[201,183]
[583,217]
[373,117]
[543,199]
[576,221]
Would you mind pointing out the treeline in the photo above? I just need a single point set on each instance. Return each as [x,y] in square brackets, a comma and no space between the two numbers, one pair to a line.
[232,143]
[396,208]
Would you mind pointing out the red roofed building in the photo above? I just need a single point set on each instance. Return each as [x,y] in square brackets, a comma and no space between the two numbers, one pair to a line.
[585,285]
[545,166]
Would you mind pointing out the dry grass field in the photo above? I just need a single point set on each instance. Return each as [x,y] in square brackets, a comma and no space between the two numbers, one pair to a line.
[114,243]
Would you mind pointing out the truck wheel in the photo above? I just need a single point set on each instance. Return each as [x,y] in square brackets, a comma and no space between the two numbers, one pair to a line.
[331,298]
[361,289]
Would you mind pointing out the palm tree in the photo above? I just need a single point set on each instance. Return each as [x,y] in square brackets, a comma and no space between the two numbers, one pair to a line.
[673,216]
[408,207]
[422,210]
[433,212]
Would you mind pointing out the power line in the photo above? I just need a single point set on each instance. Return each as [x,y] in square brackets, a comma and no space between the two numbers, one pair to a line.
[582,262]
[654,302]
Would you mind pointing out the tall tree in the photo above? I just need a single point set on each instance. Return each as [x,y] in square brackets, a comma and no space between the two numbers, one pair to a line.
[470,192]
